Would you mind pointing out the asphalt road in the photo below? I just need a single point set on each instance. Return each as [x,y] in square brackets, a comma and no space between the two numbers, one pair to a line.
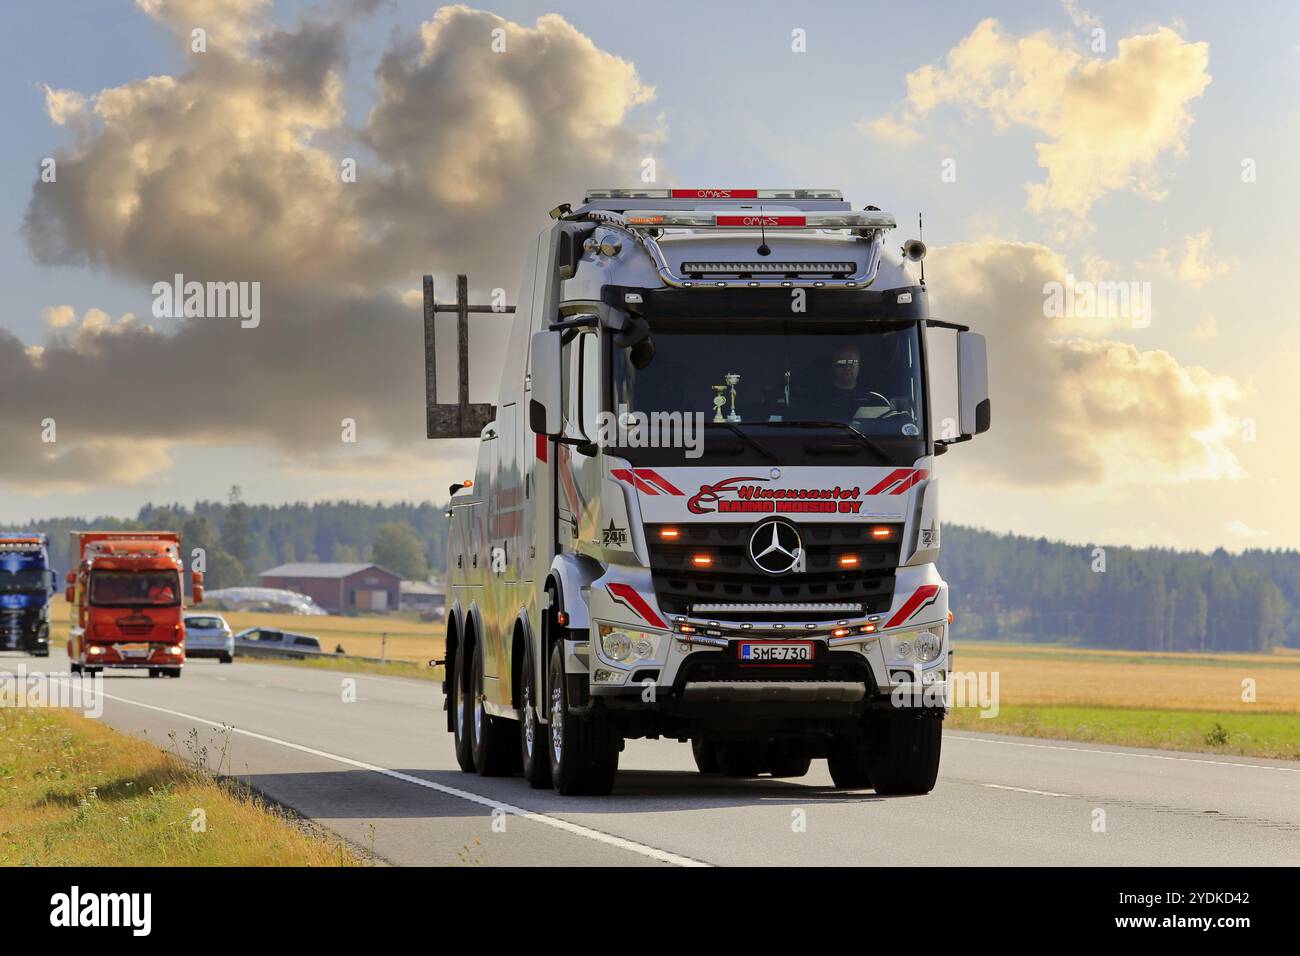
[380,771]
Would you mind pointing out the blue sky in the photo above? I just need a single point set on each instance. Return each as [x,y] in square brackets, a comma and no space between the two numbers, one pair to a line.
[733,105]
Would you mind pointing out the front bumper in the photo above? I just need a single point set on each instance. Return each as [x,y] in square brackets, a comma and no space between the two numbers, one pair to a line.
[130,655]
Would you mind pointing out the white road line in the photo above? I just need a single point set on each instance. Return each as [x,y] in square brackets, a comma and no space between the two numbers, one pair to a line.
[1041,793]
[1121,753]
[663,856]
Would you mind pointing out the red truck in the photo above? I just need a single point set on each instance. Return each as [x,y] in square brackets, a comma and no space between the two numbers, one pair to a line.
[127,602]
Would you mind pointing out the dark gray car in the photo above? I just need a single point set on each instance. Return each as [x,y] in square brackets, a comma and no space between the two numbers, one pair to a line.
[272,642]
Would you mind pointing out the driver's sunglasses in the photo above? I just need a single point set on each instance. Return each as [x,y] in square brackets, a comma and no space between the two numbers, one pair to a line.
[848,363]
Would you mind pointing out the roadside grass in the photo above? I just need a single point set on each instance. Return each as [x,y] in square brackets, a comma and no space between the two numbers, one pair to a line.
[74,792]
[1258,734]
[410,670]
[408,639]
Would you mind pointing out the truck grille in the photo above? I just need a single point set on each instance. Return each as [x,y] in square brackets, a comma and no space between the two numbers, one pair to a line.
[732,578]
[11,628]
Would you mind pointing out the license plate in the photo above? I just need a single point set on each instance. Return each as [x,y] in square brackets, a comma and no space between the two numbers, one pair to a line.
[133,650]
[776,652]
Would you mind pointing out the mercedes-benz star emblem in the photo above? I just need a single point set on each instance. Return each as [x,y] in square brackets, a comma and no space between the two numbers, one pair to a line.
[775,547]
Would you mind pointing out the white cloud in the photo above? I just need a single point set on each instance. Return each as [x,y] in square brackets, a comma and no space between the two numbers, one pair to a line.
[1106,123]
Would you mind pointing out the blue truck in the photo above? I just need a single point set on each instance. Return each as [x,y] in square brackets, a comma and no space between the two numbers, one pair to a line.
[26,586]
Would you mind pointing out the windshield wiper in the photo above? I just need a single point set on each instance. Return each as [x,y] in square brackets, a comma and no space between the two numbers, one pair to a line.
[879,452]
[748,440]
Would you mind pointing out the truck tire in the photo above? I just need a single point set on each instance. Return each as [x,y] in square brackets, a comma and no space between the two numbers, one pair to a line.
[584,749]
[705,753]
[905,753]
[226,659]
[457,703]
[849,763]
[741,758]
[787,758]
[75,667]
[534,744]
[493,740]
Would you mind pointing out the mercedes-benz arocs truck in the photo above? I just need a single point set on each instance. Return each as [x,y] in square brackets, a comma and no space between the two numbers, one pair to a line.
[127,602]
[26,585]
[705,505]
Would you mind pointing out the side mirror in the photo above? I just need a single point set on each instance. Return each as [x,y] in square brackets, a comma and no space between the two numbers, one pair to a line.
[544,410]
[973,383]
[71,577]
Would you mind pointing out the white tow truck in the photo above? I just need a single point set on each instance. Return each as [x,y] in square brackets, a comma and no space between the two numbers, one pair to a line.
[705,505]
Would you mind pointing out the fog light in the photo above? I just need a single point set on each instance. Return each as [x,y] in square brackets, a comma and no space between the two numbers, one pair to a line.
[616,645]
[603,675]
[95,650]
[174,650]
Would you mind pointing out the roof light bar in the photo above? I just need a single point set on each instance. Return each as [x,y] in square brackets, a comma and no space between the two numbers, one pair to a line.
[769,268]
[711,194]
[666,219]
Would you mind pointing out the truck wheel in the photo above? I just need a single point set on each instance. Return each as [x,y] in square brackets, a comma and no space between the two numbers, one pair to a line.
[155,672]
[458,703]
[905,755]
[44,652]
[584,750]
[75,667]
[534,745]
[740,758]
[226,659]
[495,753]
[706,755]
[787,758]
[849,763]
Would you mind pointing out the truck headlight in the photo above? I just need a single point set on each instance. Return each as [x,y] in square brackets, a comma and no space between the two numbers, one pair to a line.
[927,646]
[923,647]
[616,645]
[624,646]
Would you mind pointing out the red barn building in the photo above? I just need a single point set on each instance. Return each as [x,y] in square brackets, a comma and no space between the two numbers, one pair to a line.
[337,587]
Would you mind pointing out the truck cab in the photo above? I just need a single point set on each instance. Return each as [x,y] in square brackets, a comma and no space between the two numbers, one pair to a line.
[127,603]
[26,585]
[705,506]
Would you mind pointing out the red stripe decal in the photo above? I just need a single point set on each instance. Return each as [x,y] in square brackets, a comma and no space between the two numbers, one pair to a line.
[917,477]
[649,474]
[622,474]
[896,475]
[626,594]
[542,441]
[919,597]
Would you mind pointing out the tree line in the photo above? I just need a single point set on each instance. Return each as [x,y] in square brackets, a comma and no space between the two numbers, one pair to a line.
[241,541]
[1009,587]
[1003,587]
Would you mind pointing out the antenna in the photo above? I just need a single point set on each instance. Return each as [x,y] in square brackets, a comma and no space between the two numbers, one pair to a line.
[763,248]
[920,234]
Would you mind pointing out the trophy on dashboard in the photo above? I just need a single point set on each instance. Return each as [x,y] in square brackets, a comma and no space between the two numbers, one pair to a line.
[732,379]
[719,401]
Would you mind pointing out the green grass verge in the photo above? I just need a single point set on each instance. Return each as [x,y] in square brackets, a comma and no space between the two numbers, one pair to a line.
[1216,732]
[74,792]
[405,669]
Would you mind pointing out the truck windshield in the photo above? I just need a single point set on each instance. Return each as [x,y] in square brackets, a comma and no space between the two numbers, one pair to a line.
[780,382]
[25,579]
[135,588]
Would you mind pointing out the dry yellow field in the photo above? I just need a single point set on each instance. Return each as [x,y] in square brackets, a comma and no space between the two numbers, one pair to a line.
[1044,676]
[408,640]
